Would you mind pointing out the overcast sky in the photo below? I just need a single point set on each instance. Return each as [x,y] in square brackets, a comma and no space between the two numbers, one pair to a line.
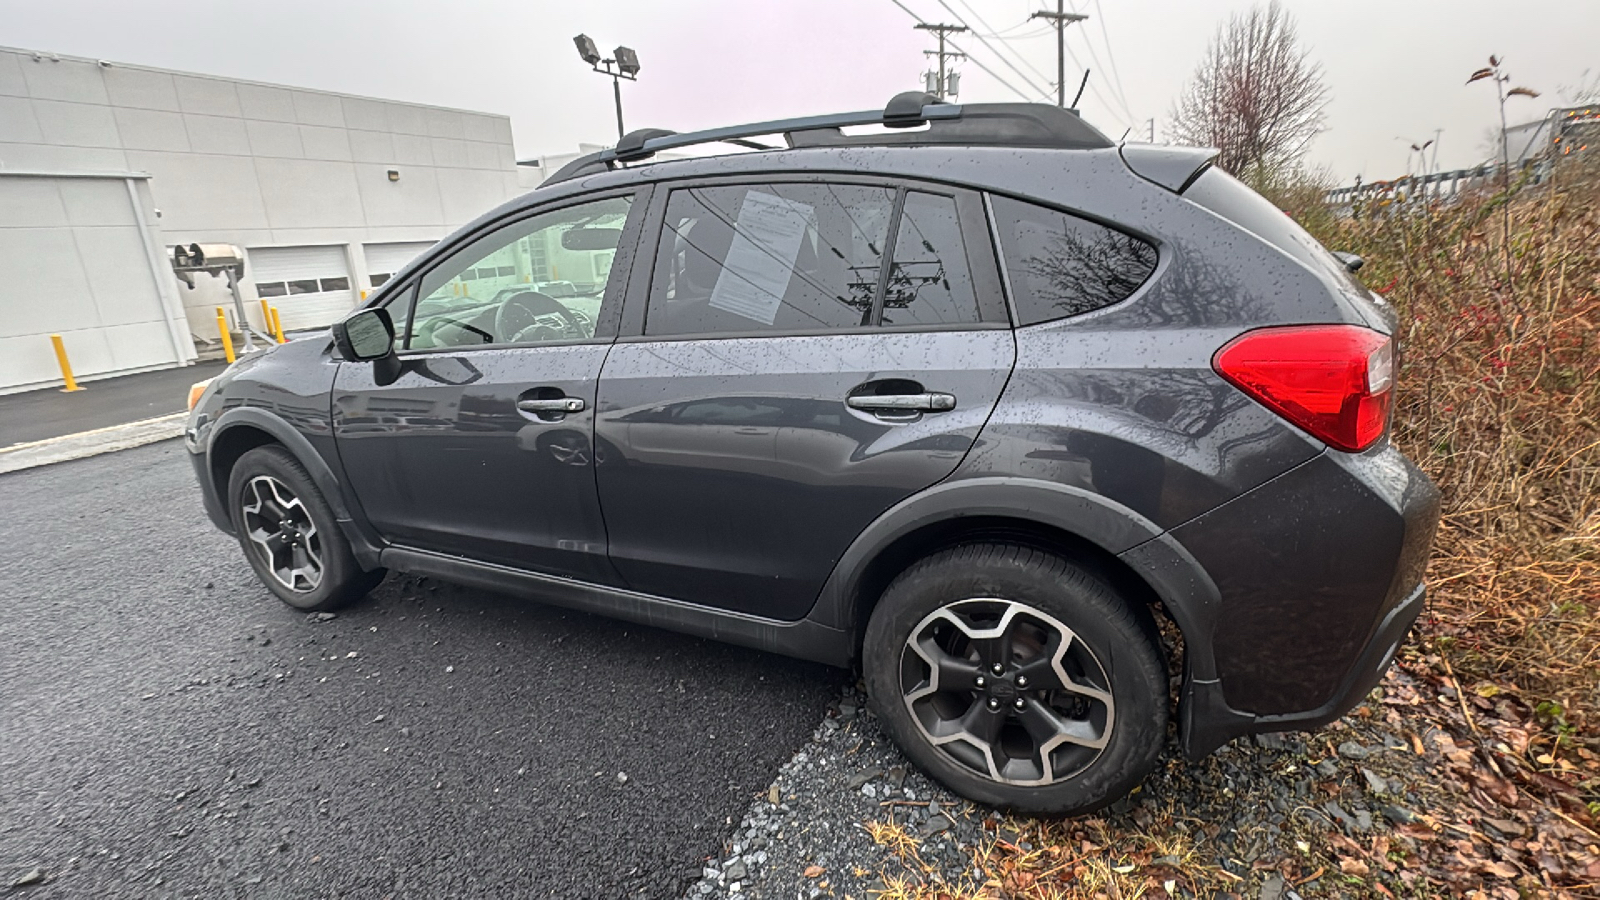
[1395,67]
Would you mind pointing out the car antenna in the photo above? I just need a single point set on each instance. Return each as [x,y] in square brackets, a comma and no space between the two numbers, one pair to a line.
[1081,85]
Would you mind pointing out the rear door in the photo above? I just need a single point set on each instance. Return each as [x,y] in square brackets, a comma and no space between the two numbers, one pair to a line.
[483,447]
[804,355]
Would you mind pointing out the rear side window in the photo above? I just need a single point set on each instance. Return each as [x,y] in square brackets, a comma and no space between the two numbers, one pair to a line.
[1229,198]
[1061,265]
[768,257]
[930,283]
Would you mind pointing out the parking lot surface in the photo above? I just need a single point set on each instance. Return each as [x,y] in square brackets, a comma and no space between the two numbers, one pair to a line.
[170,729]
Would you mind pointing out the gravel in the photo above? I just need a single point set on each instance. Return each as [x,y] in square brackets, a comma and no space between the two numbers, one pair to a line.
[1256,809]
[848,775]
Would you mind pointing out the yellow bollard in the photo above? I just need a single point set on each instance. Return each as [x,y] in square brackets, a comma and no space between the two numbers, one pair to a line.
[222,329]
[66,367]
[266,317]
[277,326]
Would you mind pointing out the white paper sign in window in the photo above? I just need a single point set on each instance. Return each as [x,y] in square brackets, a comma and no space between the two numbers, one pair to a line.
[761,259]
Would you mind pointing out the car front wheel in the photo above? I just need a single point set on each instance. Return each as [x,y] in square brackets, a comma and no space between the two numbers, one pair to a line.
[1018,679]
[290,535]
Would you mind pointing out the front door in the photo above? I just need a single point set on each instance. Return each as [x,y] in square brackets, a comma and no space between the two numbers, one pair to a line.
[788,387]
[484,446]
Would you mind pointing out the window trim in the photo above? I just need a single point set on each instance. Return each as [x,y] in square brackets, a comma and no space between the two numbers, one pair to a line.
[408,291]
[982,255]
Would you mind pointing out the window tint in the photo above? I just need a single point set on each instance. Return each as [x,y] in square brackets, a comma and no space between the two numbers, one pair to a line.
[538,279]
[930,283]
[1061,265]
[768,257]
[1229,198]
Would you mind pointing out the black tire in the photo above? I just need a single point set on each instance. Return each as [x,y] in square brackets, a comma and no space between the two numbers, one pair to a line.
[267,488]
[1110,651]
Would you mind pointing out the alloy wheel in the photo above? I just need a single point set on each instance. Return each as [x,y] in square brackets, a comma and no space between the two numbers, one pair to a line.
[283,533]
[1007,691]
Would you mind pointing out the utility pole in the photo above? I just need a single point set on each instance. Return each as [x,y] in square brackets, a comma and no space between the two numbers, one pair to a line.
[1062,19]
[941,31]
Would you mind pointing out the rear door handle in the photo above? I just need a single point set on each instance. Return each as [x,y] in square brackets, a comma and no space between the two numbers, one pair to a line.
[553,405]
[929,401]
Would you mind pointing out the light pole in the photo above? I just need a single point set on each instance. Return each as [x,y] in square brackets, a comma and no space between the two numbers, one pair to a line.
[623,63]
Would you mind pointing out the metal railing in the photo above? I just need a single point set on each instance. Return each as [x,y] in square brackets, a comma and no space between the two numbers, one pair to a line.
[1435,188]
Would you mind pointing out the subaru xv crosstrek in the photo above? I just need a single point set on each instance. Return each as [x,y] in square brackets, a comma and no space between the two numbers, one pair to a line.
[972,400]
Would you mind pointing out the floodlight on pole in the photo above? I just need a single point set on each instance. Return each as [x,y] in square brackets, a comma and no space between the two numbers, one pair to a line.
[586,49]
[623,64]
[627,61]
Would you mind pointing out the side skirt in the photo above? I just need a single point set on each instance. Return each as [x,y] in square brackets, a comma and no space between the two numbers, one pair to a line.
[803,639]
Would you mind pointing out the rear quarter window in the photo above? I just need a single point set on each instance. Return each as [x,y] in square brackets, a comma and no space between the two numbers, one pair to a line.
[1063,265]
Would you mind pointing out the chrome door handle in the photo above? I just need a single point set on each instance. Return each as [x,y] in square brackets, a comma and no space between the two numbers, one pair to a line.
[925,402]
[556,405]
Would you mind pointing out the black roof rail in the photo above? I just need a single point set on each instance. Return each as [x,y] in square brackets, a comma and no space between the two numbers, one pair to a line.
[1003,124]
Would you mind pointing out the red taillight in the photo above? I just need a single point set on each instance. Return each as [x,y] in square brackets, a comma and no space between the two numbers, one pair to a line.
[1335,381]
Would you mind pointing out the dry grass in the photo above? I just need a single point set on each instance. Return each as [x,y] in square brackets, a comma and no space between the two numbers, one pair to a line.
[1499,401]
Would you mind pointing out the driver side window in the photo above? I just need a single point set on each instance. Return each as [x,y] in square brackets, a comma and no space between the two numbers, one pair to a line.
[537,280]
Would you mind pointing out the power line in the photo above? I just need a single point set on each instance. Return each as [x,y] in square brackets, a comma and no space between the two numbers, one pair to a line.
[985,41]
[979,63]
[1095,58]
[1111,57]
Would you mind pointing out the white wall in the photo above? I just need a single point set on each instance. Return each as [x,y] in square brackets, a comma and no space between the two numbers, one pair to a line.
[78,261]
[255,164]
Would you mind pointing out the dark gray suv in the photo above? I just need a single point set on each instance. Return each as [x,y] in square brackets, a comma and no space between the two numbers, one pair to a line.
[972,401]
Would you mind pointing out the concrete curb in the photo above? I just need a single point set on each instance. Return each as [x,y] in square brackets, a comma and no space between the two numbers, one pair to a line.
[91,443]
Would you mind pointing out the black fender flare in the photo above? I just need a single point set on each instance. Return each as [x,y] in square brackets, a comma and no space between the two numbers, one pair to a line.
[1188,594]
[364,542]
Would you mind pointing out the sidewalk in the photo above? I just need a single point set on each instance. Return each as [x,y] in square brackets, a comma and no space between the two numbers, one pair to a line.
[48,413]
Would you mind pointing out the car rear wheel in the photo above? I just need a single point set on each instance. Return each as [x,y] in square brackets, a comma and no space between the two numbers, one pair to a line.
[289,533]
[1018,679]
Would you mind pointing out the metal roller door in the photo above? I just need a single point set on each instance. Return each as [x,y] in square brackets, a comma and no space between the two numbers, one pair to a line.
[383,260]
[310,286]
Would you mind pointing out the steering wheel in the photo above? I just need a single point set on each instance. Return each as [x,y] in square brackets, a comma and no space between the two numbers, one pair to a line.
[526,314]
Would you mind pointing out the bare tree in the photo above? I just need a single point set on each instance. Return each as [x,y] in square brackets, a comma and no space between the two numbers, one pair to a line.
[1256,95]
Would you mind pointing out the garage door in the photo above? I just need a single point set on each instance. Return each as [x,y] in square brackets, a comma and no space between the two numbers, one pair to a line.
[310,286]
[383,260]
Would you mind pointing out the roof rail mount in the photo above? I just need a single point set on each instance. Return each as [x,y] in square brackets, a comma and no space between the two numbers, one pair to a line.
[631,145]
[905,110]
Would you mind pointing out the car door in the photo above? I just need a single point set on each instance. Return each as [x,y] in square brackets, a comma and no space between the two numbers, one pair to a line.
[805,355]
[483,447]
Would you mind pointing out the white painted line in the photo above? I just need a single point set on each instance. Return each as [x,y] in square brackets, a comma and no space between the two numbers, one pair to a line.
[91,443]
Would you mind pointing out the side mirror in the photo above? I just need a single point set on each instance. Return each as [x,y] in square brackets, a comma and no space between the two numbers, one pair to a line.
[366,335]
[1350,260]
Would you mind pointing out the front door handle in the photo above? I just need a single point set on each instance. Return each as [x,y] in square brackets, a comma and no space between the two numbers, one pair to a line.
[552,405]
[929,401]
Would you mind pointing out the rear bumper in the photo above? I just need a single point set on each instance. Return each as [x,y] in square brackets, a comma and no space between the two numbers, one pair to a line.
[1208,722]
[1318,577]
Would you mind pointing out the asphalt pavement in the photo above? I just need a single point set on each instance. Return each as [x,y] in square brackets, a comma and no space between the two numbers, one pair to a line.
[168,728]
[49,412]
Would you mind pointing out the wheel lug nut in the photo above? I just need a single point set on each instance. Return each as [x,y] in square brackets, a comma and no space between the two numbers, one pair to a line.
[981,681]
[997,668]
[1021,703]
[994,703]
[1022,681]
